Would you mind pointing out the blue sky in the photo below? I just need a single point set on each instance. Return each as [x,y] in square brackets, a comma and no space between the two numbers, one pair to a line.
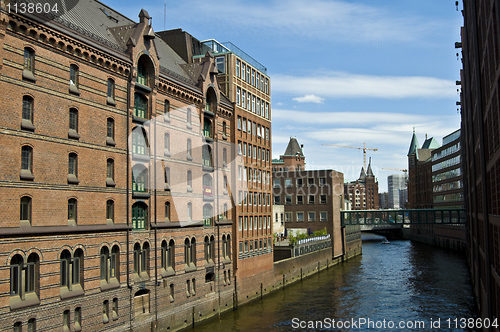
[342,72]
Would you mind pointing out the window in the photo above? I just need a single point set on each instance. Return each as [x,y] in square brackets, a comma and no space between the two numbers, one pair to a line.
[189,181]
[224,128]
[166,144]
[267,134]
[139,215]
[207,156]
[322,199]
[239,123]
[322,182]
[267,110]
[276,183]
[78,319]
[249,101]
[166,110]
[207,128]
[243,71]
[322,216]
[111,92]
[243,94]
[288,183]
[105,311]
[239,148]
[74,74]
[311,199]
[209,249]
[267,86]
[24,277]
[29,64]
[253,77]
[27,113]
[73,123]
[238,65]
[224,157]
[288,216]
[288,200]
[190,211]
[310,182]
[172,292]
[220,62]
[300,216]
[188,118]
[27,163]
[142,73]
[167,211]
[25,215]
[139,178]
[190,252]
[110,211]
[140,106]
[244,124]
[207,215]
[71,270]
[72,212]
[250,224]
[32,325]
[311,216]
[238,96]
[115,309]
[189,155]
[253,104]
[300,199]
[110,132]
[110,173]
[248,74]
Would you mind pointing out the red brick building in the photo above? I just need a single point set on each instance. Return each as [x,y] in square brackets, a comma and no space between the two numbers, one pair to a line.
[363,193]
[116,158]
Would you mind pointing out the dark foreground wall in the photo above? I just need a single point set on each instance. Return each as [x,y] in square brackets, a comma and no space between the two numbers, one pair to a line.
[446,236]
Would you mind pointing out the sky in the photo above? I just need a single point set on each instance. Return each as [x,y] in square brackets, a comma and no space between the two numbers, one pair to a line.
[342,72]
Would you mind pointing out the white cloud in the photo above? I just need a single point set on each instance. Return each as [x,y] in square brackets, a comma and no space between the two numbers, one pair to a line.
[339,84]
[309,99]
[325,19]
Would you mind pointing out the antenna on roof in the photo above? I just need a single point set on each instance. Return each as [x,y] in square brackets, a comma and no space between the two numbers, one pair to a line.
[164,14]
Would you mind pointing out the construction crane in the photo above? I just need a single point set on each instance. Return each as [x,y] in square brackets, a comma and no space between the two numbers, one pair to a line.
[395,169]
[364,148]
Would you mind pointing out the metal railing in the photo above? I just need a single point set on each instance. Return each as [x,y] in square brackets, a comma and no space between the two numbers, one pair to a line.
[403,217]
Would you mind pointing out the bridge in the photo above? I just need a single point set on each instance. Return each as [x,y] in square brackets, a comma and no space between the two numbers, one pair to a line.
[390,219]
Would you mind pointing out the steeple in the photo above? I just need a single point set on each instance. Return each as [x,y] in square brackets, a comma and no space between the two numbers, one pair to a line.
[413,145]
[362,175]
[369,172]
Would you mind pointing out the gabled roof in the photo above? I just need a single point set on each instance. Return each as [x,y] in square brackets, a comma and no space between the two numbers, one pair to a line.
[430,143]
[293,148]
[413,145]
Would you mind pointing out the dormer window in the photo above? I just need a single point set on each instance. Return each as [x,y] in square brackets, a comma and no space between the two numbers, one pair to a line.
[142,74]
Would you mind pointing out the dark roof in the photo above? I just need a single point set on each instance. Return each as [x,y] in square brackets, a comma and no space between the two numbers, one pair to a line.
[293,148]
[369,172]
[100,24]
[362,175]
[430,143]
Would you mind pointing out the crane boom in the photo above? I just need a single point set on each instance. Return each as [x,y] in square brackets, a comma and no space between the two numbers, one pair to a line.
[364,148]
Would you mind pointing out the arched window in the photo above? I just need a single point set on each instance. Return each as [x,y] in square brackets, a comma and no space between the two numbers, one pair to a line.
[74,73]
[110,211]
[187,252]
[110,132]
[139,142]
[224,157]
[137,258]
[27,163]
[208,249]
[224,128]
[139,215]
[207,156]
[114,263]
[111,92]
[189,211]
[27,114]
[207,215]
[16,268]
[72,211]
[223,245]
[189,179]
[142,73]
[207,186]
[167,255]
[145,258]
[166,110]
[166,144]
[167,178]
[73,168]
[110,173]
[25,215]
[140,106]
[139,179]
[29,60]
[171,254]
[104,264]
[167,211]
[189,154]
[207,128]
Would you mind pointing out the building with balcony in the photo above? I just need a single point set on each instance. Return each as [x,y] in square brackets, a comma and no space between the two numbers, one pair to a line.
[115,207]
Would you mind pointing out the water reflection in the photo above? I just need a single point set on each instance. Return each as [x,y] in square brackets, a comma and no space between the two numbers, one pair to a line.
[402,281]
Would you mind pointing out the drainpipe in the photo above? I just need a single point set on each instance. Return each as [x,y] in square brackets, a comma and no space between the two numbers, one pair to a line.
[128,200]
[155,219]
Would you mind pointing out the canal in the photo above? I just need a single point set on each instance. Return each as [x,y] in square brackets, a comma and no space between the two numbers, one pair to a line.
[403,282]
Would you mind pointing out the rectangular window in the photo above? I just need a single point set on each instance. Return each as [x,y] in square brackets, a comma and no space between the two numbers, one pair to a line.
[243,71]
[300,216]
[248,74]
[238,65]
[288,183]
[277,199]
[300,199]
[240,223]
[244,149]
[311,216]
[323,216]
[253,77]
[253,104]
[310,182]
[276,183]
[267,86]
[311,199]
[288,216]
[240,197]
[246,223]
[243,95]
[322,199]
[258,106]
[322,182]
[267,111]
[240,171]
[244,125]
[288,200]
[249,102]
[239,122]
[254,129]
[239,148]
[250,223]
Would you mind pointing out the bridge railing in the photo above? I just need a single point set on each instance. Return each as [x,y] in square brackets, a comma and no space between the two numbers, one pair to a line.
[402,217]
